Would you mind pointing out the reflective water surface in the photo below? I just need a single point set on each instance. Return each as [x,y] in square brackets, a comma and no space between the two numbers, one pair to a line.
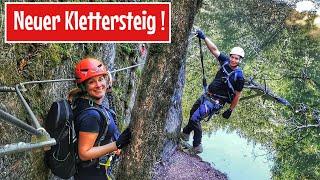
[233,155]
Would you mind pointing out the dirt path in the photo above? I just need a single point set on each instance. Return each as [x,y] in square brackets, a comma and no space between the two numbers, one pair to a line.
[185,166]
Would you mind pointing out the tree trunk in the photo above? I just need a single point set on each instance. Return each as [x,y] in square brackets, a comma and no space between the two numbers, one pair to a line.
[159,98]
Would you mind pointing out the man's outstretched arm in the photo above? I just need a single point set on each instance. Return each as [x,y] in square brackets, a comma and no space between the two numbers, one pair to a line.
[211,46]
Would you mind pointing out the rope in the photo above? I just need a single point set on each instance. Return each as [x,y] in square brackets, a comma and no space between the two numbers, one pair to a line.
[204,81]
[129,67]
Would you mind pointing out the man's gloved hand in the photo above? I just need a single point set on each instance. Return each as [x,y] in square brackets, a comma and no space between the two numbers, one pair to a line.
[200,34]
[227,113]
[124,139]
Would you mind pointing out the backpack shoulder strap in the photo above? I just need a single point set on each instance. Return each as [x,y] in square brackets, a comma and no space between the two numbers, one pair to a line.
[103,114]
[106,121]
[225,63]
[238,73]
[223,67]
[70,118]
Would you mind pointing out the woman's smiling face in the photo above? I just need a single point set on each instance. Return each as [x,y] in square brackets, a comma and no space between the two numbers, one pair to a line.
[96,87]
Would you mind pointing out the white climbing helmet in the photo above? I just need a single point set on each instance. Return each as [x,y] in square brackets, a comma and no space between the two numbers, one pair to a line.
[237,51]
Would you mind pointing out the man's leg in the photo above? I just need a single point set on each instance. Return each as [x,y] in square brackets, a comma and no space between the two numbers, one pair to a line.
[197,133]
[204,109]
[190,126]
[194,125]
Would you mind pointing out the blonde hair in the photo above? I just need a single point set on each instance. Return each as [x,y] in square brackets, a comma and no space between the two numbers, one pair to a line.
[76,92]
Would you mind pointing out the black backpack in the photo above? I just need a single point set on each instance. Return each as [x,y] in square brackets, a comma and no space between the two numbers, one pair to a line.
[62,158]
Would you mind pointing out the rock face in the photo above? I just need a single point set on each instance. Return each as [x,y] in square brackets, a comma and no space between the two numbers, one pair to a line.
[174,118]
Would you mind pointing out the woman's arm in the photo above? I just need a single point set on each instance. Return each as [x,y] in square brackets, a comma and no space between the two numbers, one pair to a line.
[86,148]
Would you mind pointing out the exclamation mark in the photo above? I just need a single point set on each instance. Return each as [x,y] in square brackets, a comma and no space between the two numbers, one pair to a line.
[162,19]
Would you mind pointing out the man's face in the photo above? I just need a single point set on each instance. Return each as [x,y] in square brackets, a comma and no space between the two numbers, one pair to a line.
[234,60]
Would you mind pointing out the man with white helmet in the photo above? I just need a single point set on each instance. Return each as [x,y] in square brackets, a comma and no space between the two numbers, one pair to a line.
[226,87]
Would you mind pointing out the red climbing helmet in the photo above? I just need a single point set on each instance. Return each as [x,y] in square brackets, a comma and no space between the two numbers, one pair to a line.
[88,68]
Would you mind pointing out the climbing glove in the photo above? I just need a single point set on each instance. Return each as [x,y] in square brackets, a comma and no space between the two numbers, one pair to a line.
[227,113]
[200,34]
[124,139]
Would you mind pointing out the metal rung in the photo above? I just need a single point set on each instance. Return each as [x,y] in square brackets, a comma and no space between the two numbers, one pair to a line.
[7,89]
[18,123]
[22,146]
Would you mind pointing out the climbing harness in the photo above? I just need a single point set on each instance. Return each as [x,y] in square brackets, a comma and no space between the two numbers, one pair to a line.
[107,164]
[42,138]
[215,104]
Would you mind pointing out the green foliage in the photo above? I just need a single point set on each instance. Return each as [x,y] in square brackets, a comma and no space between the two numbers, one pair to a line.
[126,49]
[280,52]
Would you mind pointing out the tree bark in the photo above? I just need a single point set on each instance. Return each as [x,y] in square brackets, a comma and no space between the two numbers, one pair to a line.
[158,100]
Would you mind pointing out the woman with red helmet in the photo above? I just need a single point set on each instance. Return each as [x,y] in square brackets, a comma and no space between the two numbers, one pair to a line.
[96,130]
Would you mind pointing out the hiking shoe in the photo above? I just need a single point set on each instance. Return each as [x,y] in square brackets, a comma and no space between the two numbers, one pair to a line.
[198,149]
[184,136]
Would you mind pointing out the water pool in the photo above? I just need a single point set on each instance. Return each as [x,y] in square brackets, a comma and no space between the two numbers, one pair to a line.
[233,155]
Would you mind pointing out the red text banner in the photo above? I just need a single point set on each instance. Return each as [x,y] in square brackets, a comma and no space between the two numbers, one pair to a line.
[88,22]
